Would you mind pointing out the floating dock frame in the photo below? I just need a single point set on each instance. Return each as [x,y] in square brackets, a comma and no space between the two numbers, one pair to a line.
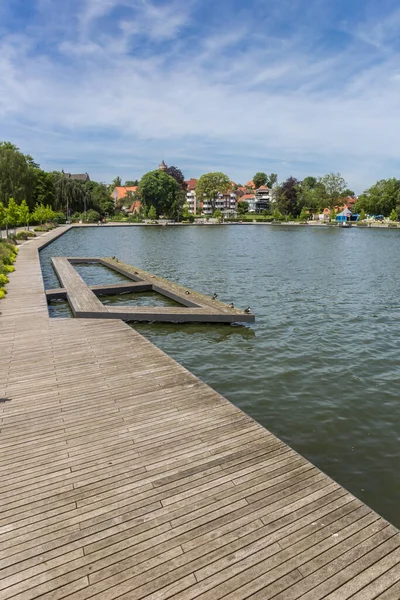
[84,302]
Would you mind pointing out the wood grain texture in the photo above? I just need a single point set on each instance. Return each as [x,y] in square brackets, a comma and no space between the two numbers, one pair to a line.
[124,476]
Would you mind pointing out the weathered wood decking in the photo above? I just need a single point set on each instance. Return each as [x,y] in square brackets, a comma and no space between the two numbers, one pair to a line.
[193,306]
[124,476]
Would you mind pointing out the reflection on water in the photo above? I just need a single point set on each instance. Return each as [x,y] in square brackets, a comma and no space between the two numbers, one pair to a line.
[60,309]
[214,332]
[320,367]
[138,299]
[92,274]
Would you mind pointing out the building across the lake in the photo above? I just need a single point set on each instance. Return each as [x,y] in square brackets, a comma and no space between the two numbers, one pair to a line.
[77,176]
[191,199]
[121,193]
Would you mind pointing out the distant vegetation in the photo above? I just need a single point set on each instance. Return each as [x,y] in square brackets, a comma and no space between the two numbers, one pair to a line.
[31,196]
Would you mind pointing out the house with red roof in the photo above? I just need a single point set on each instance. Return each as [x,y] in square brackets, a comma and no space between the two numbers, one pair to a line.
[123,191]
[251,201]
[191,200]
[250,184]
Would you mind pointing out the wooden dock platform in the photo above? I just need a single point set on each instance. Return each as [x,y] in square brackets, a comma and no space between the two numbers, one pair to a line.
[123,476]
[193,306]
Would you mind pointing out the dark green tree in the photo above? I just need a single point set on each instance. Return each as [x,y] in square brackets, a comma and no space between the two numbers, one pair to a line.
[177,175]
[15,174]
[131,182]
[243,207]
[99,198]
[260,179]
[287,197]
[159,190]
[45,189]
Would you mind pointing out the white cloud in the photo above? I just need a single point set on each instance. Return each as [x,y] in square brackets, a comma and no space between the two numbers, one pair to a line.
[107,106]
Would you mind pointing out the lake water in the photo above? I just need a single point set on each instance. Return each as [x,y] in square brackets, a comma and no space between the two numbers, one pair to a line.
[320,367]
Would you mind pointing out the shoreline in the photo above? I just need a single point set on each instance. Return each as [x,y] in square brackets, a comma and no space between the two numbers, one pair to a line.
[270,224]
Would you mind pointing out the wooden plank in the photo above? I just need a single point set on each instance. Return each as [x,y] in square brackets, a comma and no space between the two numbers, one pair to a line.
[81,299]
[145,483]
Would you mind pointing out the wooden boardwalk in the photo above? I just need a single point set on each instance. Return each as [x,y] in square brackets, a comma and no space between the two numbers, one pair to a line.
[124,476]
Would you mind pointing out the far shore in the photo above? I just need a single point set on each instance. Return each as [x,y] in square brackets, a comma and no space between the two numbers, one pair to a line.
[268,223]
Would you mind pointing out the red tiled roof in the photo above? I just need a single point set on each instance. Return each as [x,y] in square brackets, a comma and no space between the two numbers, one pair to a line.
[191,184]
[250,184]
[246,197]
[263,188]
[120,191]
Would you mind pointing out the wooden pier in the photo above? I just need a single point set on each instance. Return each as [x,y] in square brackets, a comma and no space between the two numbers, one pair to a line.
[124,476]
[194,307]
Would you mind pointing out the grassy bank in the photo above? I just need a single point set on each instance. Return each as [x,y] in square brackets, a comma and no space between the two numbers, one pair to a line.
[8,254]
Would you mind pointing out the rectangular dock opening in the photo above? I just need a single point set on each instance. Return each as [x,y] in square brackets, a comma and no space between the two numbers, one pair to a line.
[139,296]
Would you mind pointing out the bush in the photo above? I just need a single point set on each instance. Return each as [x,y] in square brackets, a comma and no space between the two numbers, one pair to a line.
[59,218]
[8,254]
[24,235]
[92,216]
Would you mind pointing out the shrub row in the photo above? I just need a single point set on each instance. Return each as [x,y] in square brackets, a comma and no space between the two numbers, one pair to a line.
[8,254]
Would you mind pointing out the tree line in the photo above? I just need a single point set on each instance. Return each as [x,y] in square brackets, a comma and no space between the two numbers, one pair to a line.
[23,181]
[24,186]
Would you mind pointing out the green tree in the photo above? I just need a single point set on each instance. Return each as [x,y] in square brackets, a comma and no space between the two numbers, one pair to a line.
[393,215]
[131,182]
[277,215]
[243,207]
[116,182]
[335,186]
[217,214]
[185,211]
[24,214]
[15,174]
[210,185]
[303,214]
[272,180]
[98,198]
[45,190]
[260,179]
[159,190]
[152,213]
[381,198]
[12,213]
[3,217]
[361,216]
[39,214]
[310,182]
[49,213]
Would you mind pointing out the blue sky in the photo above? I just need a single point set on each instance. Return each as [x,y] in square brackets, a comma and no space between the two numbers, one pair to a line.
[112,87]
